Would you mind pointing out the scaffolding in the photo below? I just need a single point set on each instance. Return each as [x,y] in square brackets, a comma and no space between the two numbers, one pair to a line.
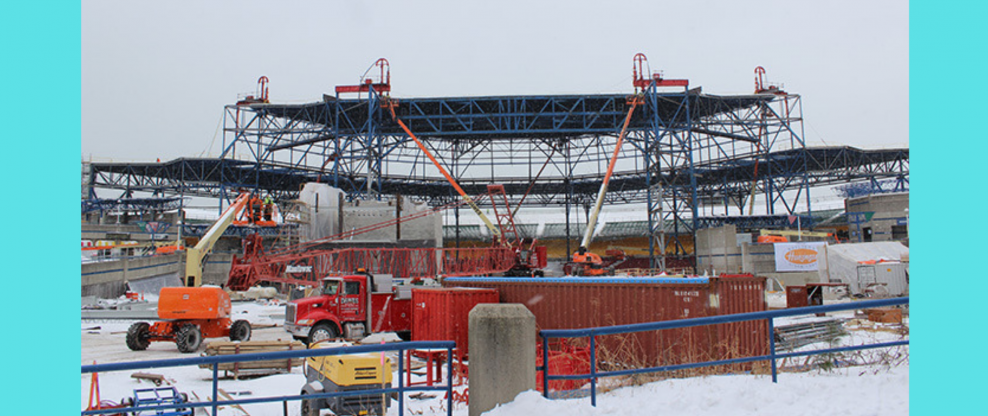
[689,156]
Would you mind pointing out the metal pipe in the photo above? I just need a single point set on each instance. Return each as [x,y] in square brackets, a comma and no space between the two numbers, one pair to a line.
[771,349]
[545,366]
[449,381]
[721,319]
[593,370]
[401,384]
[216,378]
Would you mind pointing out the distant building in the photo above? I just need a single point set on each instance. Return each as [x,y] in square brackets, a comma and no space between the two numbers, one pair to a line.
[878,217]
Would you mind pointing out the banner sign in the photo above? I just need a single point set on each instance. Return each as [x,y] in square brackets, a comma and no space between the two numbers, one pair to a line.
[154,227]
[798,257]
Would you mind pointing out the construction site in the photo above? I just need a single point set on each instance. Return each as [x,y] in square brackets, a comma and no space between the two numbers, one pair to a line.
[368,216]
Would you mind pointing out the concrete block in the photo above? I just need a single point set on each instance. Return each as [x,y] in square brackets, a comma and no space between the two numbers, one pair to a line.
[502,354]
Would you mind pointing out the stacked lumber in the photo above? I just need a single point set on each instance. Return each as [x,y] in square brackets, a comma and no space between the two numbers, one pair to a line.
[248,347]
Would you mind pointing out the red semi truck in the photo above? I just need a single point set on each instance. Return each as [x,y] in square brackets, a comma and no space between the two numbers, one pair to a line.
[351,307]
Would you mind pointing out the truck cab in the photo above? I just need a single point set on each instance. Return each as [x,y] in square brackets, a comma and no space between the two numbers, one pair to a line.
[350,307]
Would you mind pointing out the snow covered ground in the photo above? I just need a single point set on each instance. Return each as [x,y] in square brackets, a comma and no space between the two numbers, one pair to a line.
[879,388]
[851,391]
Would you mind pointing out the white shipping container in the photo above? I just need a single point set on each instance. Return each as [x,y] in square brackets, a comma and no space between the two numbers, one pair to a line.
[891,279]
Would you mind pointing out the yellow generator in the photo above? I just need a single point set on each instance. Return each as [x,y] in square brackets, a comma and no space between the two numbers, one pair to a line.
[336,373]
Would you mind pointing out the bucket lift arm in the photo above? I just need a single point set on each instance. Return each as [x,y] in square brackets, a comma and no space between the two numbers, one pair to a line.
[196,255]
[592,222]
[490,226]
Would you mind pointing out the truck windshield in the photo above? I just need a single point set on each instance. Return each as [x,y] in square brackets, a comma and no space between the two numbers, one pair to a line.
[330,287]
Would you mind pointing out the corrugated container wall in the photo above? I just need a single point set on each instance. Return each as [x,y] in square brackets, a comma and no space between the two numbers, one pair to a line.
[733,294]
[443,314]
[573,303]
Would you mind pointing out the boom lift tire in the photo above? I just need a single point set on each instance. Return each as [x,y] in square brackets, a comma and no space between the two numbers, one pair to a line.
[323,331]
[240,331]
[137,336]
[188,338]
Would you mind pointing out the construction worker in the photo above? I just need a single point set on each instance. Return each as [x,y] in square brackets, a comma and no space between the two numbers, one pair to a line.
[255,210]
[268,207]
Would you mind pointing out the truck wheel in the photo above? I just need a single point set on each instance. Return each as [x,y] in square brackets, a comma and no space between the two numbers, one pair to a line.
[321,332]
[240,331]
[188,338]
[137,336]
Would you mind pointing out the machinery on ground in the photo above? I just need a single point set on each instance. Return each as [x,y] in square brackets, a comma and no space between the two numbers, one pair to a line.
[189,314]
[351,372]
[158,396]
[351,307]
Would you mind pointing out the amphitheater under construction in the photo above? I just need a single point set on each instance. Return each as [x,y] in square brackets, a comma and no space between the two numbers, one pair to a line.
[545,242]
[670,178]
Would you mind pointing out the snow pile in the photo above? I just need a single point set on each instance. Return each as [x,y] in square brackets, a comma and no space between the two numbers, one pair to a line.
[849,391]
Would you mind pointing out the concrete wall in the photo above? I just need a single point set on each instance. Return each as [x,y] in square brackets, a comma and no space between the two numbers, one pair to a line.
[106,279]
[363,213]
[326,216]
[718,250]
[889,211]
[722,250]
[759,259]
[216,270]
[320,206]
[124,232]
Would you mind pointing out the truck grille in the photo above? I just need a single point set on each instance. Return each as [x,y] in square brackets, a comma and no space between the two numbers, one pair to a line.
[290,313]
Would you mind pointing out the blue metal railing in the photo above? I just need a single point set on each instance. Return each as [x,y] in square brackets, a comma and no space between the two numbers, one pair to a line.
[592,333]
[215,360]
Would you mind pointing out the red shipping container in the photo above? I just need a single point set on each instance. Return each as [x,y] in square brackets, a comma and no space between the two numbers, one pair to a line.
[443,314]
[796,297]
[733,294]
[574,303]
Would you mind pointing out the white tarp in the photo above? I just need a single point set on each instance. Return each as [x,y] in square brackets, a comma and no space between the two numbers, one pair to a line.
[798,257]
[844,258]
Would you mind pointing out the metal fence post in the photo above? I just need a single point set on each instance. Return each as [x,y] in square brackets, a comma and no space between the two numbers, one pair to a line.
[449,381]
[593,370]
[401,383]
[216,378]
[545,366]
[771,349]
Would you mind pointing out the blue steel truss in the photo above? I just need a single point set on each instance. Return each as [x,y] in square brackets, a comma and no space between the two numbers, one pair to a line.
[856,189]
[688,155]
[130,204]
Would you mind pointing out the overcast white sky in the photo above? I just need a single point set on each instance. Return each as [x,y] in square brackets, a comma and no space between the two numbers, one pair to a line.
[155,76]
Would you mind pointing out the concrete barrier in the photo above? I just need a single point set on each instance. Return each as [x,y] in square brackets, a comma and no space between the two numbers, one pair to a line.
[106,279]
[502,354]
